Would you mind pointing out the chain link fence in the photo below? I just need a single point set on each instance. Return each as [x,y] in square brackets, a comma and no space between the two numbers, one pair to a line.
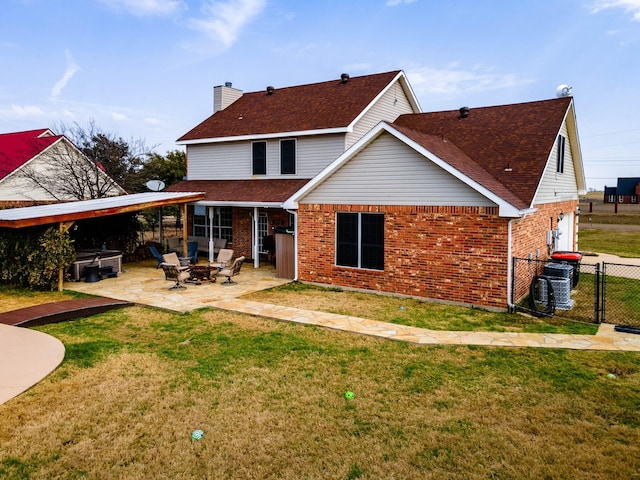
[544,288]
[621,294]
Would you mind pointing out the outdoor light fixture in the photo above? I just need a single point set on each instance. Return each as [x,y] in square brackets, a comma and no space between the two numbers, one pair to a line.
[560,217]
[578,211]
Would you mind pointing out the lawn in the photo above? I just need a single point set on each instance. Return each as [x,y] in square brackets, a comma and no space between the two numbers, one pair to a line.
[269,397]
[621,243]
[412,312]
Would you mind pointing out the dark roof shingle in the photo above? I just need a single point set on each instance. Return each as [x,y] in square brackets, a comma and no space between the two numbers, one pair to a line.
[509,143]
[316,106]
[250,191]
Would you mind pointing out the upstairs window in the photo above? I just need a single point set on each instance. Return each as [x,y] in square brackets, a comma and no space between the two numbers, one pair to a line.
[360,240]
[561,146]
[288,157]
[259,155]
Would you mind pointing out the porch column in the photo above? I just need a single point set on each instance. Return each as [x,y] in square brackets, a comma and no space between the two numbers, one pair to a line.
[256,254]
[185,229]
[63,228]
[210,209]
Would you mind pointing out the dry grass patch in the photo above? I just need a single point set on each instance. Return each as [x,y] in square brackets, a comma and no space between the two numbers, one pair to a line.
[269,397]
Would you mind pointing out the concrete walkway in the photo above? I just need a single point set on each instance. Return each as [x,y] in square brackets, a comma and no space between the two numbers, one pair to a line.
[27,356]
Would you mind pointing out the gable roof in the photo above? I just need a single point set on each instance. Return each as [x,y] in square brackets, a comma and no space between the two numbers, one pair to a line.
[326,106]
[18,148]
[511,143]
[627,185]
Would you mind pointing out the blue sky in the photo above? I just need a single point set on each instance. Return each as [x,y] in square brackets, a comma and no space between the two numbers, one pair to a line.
[146,68]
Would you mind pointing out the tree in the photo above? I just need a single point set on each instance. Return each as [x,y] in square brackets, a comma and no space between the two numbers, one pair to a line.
[170,168]
[120,159]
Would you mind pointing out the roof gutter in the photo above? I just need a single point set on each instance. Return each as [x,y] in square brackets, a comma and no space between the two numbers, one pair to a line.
[265,136]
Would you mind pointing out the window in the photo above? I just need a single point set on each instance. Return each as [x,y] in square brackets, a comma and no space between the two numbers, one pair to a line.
[259,155]
[612,198]
[360,240]
[620,198]
[634,199]
[287,157]
[561,147]
[222,223]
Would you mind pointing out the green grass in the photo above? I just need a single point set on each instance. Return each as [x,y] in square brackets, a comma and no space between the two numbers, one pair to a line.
[269,397]
[623,244]
[411,312]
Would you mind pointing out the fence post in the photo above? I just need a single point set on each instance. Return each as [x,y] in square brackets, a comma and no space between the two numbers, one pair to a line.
[596,302]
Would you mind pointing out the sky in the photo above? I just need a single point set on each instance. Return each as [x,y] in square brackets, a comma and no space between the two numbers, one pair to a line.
[145,69]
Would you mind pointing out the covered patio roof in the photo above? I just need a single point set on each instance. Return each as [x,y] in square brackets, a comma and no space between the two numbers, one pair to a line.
[243,193]
[101,207]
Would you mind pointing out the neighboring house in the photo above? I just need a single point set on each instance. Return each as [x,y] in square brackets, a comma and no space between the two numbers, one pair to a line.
[432,205]
[626,191]
[259,148]
[37,166]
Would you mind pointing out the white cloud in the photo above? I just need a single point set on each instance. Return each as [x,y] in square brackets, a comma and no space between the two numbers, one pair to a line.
[455,80]
[224,21]
[152,121]
[393,3]
[69,72]
[118,117]
[26,111]
[631,6]
[146,8]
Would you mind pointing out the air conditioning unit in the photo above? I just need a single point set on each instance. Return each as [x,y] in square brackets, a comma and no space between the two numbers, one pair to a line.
[561,291]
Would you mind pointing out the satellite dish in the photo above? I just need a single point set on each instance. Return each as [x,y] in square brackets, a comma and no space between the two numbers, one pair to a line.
[563,91]
[155,185]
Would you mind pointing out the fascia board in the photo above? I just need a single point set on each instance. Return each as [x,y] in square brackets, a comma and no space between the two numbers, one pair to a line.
[266,136]
[213,203]
[406,87]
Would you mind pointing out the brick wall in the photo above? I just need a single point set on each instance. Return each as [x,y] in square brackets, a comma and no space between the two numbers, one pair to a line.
[453,254]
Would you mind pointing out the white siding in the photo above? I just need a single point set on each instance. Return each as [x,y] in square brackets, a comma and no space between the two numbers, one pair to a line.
[388,172]
[558,187]
[389,107]
[233,160]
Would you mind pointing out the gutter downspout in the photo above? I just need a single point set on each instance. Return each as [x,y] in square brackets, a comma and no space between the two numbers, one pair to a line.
[509,262]
[295,243]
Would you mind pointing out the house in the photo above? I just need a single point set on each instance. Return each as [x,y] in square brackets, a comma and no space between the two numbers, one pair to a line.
[436,205]
[626,191]
[259,148]
[382,197]
[37,166]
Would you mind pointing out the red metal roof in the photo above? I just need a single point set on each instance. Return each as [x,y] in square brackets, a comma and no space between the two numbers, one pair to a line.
[509,144]
[316,106]
[18,148]
[249,191]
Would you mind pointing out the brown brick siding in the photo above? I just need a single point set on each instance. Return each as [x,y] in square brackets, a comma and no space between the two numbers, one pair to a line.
[453,254]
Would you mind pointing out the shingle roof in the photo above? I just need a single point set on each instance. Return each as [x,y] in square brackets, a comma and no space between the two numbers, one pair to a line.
[316,106]
[18,148]
[627,185]
[517,137]
[249,191]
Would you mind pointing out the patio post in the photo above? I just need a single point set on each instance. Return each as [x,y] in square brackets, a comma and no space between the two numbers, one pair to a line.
[256,254]
[185,229]
[62,227]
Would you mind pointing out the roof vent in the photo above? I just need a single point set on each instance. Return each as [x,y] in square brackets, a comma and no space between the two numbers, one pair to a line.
[228,84]
[270,90]
[344,78]
[464,112]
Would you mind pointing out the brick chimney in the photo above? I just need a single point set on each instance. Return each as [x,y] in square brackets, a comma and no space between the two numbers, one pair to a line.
[224,95]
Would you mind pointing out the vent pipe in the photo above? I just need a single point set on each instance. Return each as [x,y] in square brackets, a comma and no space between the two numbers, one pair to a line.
[344,78]
[464,112]
[270,90]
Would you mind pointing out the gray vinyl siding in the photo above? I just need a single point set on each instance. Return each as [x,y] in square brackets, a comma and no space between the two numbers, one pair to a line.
[388,172]
[233,160]
[557,187]
[389,107]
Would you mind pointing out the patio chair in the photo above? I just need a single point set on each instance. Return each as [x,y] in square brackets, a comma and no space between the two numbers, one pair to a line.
[172,273]
[224,258]
[173,259]
[232,271]
[156,255]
